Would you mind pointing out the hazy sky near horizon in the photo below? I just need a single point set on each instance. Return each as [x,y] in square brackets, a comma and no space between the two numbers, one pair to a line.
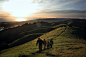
[12,9]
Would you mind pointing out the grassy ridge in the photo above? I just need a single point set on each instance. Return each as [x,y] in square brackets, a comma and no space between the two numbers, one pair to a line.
[27,48]
[32,34]
[64,46]
[12,34]
[75,32]
[69,41]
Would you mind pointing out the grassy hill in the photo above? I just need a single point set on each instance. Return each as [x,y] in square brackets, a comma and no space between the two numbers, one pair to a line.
[69,41]
[14,34]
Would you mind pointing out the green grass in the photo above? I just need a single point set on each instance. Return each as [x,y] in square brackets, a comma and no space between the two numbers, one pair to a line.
[32,34]
[64,46]
[68,42]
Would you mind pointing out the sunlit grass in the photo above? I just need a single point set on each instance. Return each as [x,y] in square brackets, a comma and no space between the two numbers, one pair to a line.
[66,44]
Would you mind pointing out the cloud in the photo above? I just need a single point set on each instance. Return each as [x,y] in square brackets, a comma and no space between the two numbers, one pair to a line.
[2,0]
[67,11]
[20,8]
[62,8]
[5,16]
[52,8]
[64,4]
[62,13]
[1,3]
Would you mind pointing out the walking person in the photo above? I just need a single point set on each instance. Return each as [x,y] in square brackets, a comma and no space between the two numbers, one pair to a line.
[48,45]
[44,42]
[40,42]
[51,43]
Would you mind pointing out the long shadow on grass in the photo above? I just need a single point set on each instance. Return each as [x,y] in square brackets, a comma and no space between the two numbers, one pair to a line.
[23,56]
[30,37]
[39,51]
[32,54]
[47,53]
[25,39]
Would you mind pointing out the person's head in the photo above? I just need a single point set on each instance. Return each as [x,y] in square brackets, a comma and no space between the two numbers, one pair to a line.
[38,38]
[44,39]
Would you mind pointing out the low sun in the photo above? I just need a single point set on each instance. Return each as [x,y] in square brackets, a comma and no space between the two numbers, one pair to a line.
[20,19]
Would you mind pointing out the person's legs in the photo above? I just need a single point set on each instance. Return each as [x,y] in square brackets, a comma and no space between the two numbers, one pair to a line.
[51,46]
[44,46]
[47,46]
[40,47]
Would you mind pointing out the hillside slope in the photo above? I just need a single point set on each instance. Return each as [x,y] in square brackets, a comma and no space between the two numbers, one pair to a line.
[13,34]
[69,41]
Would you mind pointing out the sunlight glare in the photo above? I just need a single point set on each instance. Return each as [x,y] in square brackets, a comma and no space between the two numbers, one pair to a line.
[20,8]
[20,19]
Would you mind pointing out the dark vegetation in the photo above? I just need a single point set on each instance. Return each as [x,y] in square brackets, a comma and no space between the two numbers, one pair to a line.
[28,32]
[78,23]
[34,30]
[80,30]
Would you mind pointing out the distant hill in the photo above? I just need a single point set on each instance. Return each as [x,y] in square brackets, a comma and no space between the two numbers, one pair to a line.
[81,23]
[13,24]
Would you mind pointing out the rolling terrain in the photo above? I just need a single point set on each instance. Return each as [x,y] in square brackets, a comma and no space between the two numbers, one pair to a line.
[68,36]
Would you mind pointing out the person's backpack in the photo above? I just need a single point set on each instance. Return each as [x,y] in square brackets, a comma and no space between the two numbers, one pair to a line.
[51,42]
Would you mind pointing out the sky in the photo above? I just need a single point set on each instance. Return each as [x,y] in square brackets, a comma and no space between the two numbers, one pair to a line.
[10,10]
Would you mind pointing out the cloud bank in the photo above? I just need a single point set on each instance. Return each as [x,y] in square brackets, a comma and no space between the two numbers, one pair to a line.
[43,8]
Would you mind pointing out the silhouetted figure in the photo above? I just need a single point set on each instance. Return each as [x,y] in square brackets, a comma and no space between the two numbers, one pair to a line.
[48,45]
[40,44]
[51,43]
[44,42]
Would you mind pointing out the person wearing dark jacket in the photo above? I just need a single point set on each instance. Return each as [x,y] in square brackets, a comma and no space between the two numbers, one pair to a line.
[48,45]
[51,43]
[40,42]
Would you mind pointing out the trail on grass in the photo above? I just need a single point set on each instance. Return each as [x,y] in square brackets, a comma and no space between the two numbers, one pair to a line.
[46,52]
